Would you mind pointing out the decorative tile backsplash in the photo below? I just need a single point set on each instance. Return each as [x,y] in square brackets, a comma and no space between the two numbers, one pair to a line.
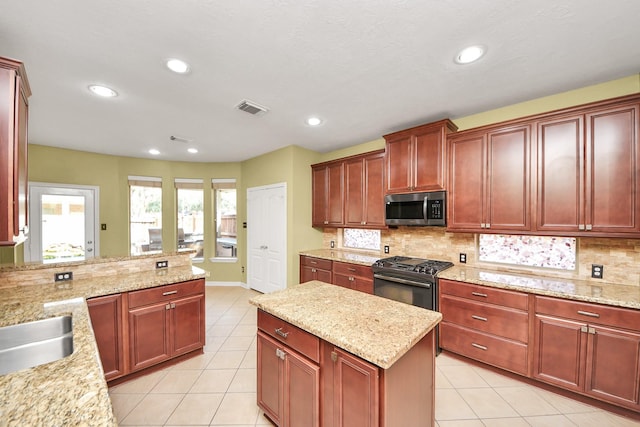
[620,257]
[533,251]
[356,238]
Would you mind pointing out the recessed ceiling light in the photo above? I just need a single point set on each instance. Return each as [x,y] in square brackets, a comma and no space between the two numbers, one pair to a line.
[470,54]
[177,66]
[314,121]
[104,91]
[154,151]
[192,150]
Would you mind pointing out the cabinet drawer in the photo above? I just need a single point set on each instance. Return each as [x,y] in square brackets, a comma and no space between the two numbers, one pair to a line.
[165,293]
[484,294]
[589,313]
[324,264]
[497,320]
[352,269]
[292,336]
[496,351]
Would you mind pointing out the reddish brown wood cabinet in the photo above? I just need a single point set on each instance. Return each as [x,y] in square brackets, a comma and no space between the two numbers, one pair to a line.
[489,180]
[348,192]
[312,268]
[588,348]
[327,194]
[353,276]
[416,158]
[588,172]
[165,322]
[106,319]
[14,111]
[486,324]
[364,184]
[288,373]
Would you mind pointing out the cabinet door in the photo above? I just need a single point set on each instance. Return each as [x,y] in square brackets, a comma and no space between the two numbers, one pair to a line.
[301,391]
[466,184]
[319,192]
[106,319]
[560,152]
[612,190]
[429,165]
[335,195]
[508,179]
[20,189]
[560,352]
[187,324]
[374,208]
[343,280]
[356,391]
[307,273]
[399,164]
[363,285]
[609,351]
[354,192]
[149,335]
[323,275]
[270,378]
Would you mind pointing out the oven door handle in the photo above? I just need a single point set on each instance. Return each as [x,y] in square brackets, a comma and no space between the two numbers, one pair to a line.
[403,281]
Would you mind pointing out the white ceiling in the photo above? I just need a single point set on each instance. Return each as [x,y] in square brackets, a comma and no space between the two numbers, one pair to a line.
[366,67]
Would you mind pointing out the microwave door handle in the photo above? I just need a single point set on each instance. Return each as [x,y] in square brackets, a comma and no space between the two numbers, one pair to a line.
[424,207]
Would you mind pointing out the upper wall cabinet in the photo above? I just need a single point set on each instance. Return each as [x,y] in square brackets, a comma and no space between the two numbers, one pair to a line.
[348,192]
[588,172]
[415,158]
[14,108]
[489,184]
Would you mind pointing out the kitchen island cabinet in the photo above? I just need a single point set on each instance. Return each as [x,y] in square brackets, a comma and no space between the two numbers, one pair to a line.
[376,356]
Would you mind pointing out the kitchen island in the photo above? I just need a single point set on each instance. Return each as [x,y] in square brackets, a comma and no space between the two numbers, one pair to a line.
[348,358]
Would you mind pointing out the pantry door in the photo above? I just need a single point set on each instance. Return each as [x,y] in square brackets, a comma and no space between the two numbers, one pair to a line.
[267,237]
[62,223]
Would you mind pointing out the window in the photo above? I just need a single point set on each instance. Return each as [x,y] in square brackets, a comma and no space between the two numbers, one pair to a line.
[190,216]
[145,214]
[225,218]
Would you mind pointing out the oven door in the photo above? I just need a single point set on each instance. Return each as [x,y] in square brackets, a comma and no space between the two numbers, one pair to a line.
[409,291]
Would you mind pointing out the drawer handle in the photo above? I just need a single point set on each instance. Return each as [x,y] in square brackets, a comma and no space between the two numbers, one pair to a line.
[313,262]
[588,313]
[352,269]
[484,319]
[481,347]
[164,294]
[478,294]
[282,334]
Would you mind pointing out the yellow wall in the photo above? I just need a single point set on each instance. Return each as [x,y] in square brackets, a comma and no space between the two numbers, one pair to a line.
[290,165]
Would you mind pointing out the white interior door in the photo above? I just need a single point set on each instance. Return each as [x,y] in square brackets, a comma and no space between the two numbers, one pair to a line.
[267,237]
[62,223]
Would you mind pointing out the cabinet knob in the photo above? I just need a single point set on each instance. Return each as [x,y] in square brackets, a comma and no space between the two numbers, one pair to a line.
[580,226]
[589,227]
[167,307]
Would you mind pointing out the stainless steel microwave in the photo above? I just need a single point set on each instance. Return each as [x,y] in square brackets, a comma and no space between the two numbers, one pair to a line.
[416,208]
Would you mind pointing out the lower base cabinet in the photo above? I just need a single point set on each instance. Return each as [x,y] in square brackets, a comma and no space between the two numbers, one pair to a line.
[107,322]
[140,329]
[306,381]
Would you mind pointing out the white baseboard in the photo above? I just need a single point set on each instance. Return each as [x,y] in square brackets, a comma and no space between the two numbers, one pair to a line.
[240,284]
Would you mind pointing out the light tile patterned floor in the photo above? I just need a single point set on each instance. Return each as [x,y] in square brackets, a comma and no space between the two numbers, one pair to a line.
[218,388]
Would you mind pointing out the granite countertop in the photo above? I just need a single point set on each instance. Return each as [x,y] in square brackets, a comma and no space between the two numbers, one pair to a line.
[341,255]
[376,329]
[72,390]
[580,290]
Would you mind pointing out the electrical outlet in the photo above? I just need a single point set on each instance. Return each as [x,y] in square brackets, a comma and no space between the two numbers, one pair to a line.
[103,227]
[333,244]
[162,264]
[63,276]
[243,268]
[386,249]
[463,258]
[597,271]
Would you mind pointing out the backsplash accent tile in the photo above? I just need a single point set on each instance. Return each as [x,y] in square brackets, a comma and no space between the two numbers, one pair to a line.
[356,238]
[533,251]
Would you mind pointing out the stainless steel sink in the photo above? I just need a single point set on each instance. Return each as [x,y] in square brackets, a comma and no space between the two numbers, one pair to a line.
[30,344]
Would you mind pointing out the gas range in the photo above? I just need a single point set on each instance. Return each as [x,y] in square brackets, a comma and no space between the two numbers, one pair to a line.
[412,267]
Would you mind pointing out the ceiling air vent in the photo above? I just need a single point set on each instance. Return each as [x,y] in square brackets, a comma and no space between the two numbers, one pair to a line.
[252,108]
